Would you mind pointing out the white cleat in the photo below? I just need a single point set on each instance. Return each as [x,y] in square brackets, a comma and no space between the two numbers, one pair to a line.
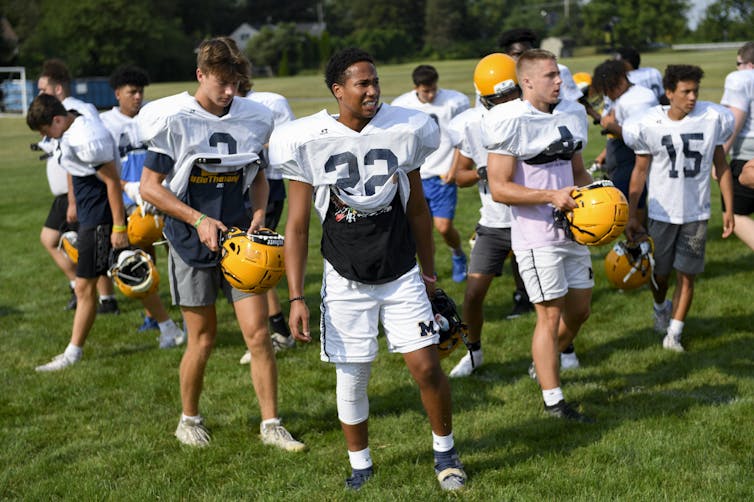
[466,366]
[275,434]
[568,361]
[672,342]
[59,362]
[192,432]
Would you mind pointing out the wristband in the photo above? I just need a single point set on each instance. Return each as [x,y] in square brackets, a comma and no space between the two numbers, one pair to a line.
[200,220]
[297,298]
[119,229]
[429,279]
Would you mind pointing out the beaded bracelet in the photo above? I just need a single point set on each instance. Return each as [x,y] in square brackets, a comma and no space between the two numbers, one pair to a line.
[297,298]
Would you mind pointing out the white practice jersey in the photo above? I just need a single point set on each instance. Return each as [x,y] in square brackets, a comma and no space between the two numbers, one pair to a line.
[648,77]
[466,135]
[568,89]
[543,144]
[446,105]
[85,146]
[178,127]
[56,175]
[636,101]
[739,93]
[281,113]
[682,151]
[363,169]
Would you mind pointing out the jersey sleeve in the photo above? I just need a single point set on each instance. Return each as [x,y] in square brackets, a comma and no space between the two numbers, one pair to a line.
[284,154]
[428,134]
[727,123]
[632,137]
[152,123]
[92,143]
[501,131]
[735,94]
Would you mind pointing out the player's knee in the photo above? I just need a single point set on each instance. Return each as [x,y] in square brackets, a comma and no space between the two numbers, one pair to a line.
[351,392]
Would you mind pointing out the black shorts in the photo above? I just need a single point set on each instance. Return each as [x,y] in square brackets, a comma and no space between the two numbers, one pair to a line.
[491,247]
[743,196]
[274,211]
[94,251]
[56,217]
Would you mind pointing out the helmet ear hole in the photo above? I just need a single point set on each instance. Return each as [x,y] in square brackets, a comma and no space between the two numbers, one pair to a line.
[134,273]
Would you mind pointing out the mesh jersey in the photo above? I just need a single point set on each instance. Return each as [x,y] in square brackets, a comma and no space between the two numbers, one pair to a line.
[359,181]
[132,150]
[82,149]
[648,77]
[281,113]
[212,161]
[446,105]
[634,102]
[739,93]
[568,89]
[466,134]
[56,175]
[682,151]
[543,144]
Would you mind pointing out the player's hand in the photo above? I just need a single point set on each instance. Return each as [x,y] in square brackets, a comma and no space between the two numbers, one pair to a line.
[34,147]
[119,240]
[562,200]
[729,223]
[635,231]
[209,231]
[298,321]
[255,226]
[71,215]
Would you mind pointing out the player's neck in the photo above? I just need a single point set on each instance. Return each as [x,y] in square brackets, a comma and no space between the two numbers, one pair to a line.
[676,113]
[540,105]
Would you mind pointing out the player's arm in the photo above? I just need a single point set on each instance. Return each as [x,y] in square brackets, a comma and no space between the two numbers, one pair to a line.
[420,221]
[466,175]
[725,179]
[296,251]
[259,193]
[108,173]
[580,175]
[164,200]
[450,176]
[500,171]
[635,228]
[740,118]
[71,214]
[611,125]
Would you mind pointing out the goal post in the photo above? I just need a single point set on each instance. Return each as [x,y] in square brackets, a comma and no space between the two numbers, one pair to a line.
[15,90]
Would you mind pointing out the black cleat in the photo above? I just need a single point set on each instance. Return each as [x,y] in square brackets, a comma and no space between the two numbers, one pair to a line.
[108,306]
[358,478]
[561,409]
[72,302]
[521,305]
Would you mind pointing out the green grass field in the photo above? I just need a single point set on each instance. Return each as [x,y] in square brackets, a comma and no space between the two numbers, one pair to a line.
[670,426]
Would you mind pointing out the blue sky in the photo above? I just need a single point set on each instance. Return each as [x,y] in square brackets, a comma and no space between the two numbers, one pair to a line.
[697,11]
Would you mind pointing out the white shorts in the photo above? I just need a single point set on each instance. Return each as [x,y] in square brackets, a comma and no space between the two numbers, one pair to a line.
[549,272]
[352,311]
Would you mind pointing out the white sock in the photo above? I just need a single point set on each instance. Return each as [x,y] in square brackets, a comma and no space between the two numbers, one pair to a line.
[360,459]
[552,396]
[675,327]
[442,443]
[72,284]
[270,421]
[106,297]
[187,417]
[660,306]
[165,325]
[73,352]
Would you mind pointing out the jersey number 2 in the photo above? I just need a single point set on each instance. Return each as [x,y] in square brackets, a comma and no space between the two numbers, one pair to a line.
[351,180]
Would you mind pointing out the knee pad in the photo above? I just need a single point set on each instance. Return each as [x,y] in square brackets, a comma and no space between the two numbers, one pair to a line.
[351,391]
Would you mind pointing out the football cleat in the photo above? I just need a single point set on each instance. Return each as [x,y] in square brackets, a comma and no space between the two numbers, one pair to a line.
[452,329]
[600,216]
[69,245]
[275,434]
[561,409]
[252,263]
[144,229]
[495,78]
[133,272]
[630,265]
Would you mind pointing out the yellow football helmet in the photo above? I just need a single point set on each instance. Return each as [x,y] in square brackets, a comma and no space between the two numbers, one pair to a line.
[69,244]
[134,273]
[144,229]
[583,81]
[630,265]
[452,330]
[601,214]
[494,77]
[252,263]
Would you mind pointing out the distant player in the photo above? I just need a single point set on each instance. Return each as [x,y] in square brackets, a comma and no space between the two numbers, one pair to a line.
[675,148]
[439,189]
[88,153]
[645,76]
[203,153]
[361,169]
[128,84]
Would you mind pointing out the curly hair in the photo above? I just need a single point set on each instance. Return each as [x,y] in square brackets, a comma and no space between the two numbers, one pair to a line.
[335,72]
[129,75]
[675,73]
[608,75]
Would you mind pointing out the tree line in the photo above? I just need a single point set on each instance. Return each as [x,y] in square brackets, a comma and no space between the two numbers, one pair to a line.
[95,36]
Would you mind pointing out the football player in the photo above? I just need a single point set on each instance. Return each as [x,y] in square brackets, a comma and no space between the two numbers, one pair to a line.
[495,82]
[675,148]
[437,177]
[361,168]
[533,165]
[128,83]
[206,148]
[645,76]
[55,80]
[739,98]
[87,152]
[281,113]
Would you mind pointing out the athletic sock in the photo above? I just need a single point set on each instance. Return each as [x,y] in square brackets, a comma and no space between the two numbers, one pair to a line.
[675,327]
[361,459]
[474,346]
[165,325]
[279,325]
[552,396]
[441,444]
[73,352]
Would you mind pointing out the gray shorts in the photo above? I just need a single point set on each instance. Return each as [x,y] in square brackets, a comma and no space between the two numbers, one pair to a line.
[491,247]
[198,287]
[679,247]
